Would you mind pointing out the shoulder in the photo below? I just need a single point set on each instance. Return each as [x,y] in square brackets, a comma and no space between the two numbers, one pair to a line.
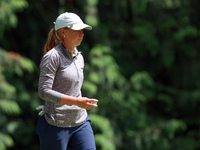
[53,53]
[51,57]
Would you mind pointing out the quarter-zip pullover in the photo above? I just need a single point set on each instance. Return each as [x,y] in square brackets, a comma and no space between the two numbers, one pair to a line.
[61,73]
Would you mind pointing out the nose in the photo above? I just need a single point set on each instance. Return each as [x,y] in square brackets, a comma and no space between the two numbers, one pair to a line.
[81,33]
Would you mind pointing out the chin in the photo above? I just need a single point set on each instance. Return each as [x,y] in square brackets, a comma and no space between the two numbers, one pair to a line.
[78,44]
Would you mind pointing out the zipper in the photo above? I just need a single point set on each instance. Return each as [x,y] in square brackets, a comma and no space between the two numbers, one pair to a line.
[74,59]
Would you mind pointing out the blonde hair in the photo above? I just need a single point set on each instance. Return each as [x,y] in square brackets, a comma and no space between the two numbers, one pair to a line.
[52,40]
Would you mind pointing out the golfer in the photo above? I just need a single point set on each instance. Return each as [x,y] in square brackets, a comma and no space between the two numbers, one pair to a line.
[65,123]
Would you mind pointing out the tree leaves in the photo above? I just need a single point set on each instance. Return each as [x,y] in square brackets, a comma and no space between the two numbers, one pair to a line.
[12,64]
[8,17]
[104,135]
[9,107]
[5,141]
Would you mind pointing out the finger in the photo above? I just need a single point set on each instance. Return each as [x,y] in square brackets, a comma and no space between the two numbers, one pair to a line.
[92,100]
[91,107]
[95,103]
[92,104]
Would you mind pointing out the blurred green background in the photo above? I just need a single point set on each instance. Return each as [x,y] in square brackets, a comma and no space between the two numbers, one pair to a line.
[142,61]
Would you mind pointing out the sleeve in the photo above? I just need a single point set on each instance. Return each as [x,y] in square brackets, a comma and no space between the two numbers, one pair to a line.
[48,67]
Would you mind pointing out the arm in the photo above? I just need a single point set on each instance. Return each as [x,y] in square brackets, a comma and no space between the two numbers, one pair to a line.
[48,67]
[82,102]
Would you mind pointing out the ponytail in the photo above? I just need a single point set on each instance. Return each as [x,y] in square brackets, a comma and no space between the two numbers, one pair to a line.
[52,40]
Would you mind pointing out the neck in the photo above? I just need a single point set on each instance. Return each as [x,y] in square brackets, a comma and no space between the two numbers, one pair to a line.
[70,48]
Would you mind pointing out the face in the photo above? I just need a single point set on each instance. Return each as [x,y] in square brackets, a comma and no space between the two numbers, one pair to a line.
[72,38]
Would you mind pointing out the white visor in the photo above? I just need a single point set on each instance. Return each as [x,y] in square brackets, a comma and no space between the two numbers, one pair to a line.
[71,21]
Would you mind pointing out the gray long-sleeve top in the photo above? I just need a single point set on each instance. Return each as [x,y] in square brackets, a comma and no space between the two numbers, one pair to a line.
[61,73]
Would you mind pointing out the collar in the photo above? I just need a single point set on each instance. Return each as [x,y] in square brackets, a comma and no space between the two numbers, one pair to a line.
[60,47]
[76,52]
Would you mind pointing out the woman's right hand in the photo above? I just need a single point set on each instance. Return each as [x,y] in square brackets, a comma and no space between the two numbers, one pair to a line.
[82,102]
[86,103]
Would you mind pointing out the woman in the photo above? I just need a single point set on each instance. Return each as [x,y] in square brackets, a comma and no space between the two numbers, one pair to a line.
[66,122]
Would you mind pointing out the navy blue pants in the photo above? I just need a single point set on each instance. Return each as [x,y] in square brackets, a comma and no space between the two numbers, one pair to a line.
[74,138]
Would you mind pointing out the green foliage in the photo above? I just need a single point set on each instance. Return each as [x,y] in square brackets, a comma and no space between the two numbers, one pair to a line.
[138,6]
[104,135]
[13,64]
[5,141]
[91,9]
[8,9]
[158,136]
[140,80]
[9,107]
[141,90]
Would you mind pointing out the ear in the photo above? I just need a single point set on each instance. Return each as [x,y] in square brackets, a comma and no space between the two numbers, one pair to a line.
[62,32]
